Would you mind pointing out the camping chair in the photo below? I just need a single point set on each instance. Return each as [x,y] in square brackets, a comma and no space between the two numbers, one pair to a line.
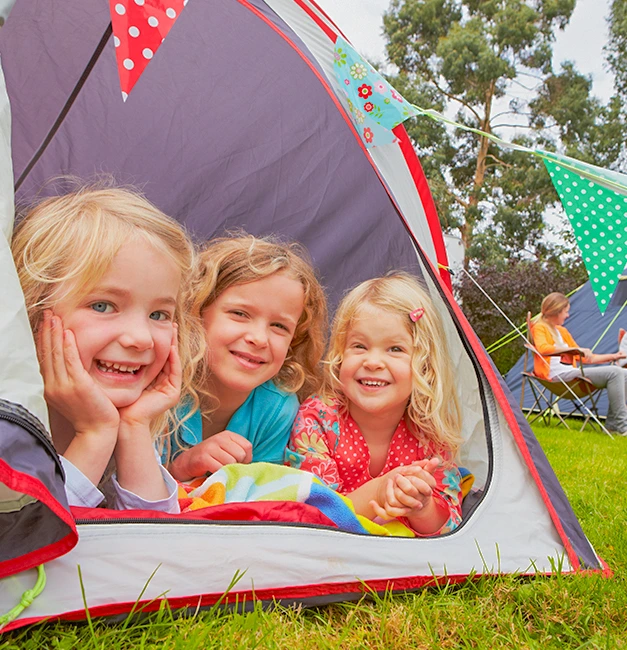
[581,392]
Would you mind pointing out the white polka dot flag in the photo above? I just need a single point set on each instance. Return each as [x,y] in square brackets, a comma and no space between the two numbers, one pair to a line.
[595,201]
[139,27]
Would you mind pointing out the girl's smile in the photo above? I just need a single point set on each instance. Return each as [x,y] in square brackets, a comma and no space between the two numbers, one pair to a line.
[123,327]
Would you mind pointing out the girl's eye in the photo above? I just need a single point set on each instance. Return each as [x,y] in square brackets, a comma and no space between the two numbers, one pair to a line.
[159,315]
[238,312]
[396,348]
[281,326]
[358,346]
[102,307]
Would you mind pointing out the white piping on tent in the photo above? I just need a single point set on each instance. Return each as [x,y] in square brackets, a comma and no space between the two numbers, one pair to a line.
[20,380]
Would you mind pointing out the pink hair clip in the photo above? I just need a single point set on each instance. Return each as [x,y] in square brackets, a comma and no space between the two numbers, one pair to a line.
[417,314]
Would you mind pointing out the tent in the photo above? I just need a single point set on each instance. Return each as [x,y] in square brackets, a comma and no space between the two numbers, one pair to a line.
[588,326]
[238,121]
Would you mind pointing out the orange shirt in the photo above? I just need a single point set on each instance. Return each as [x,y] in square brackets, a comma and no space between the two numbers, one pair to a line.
[545,344]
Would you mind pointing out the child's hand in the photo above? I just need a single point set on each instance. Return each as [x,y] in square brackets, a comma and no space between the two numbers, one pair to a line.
[224,448]
[404,493]
[68,387]
[161,395]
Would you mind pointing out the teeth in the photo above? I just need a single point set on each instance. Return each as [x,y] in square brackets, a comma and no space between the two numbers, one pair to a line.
[107,366]
[370,382]
[247,358]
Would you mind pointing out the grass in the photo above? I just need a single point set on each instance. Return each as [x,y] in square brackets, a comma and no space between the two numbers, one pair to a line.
[562,611]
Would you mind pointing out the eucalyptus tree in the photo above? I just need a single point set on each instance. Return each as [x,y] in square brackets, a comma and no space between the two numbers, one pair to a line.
[466,57]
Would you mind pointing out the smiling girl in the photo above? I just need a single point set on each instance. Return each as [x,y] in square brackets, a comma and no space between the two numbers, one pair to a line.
[264,314]
[102,272]
[387,425]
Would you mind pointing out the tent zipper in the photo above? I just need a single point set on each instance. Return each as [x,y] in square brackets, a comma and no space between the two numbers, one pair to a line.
[17,414]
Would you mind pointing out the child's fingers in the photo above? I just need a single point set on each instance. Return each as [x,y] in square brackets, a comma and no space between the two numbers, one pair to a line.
[427,464]
[388,512]
[379,511]
[407,495]
[59,367]
[414,471]
[406,485]
[44,344]
[174,365]
[244,448]
[389,499]
[73,364]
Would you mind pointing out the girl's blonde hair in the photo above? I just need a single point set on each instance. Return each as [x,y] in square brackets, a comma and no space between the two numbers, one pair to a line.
[433,406]
[64,245]
[553,304]
[229,261]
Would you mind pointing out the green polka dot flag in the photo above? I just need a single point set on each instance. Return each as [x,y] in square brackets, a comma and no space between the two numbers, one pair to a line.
[595,202]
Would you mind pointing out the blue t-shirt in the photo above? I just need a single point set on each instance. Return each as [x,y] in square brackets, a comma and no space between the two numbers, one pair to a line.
[265,419]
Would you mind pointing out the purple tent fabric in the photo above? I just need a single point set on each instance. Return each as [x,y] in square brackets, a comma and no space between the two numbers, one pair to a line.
[224,130]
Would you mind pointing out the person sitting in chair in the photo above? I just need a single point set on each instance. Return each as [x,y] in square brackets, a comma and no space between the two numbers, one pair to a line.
[622,347]
[550,336]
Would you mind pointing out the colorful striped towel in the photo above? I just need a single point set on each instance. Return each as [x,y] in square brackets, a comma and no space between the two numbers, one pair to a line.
[268,482]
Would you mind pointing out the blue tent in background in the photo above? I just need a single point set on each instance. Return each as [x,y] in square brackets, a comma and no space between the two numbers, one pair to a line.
[586,325]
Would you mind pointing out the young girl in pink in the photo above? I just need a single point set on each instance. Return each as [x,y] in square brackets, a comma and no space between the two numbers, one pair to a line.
[263,313]
[387,424]
[103,273]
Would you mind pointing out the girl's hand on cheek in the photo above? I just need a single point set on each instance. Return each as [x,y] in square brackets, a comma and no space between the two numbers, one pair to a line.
[68,387]
[161,395]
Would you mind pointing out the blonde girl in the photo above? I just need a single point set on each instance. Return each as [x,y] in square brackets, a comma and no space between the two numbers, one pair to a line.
[387,424]
[102,272]
[263,313]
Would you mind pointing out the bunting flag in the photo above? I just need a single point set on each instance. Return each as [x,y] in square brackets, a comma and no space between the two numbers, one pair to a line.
[139,27]
[594,199]
[375,106]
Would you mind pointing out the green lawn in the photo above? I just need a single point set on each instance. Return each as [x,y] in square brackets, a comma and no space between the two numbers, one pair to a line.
[584,611]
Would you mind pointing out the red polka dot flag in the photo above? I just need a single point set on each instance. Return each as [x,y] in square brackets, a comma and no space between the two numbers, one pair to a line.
[139,28]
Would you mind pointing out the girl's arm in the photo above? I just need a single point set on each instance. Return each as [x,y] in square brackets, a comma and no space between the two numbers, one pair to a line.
[121,498]
[604,358]
[312,440]
[72,394]
[137,467]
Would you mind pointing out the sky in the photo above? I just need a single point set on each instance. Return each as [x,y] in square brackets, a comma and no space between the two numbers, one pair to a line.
[582,41]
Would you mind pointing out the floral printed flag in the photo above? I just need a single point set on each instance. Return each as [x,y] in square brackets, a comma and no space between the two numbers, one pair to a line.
[139,27]
[375,106]
[595,201]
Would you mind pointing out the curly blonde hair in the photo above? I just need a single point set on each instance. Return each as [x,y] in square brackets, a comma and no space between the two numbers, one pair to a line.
[433,406]
[228,261]
[64,245]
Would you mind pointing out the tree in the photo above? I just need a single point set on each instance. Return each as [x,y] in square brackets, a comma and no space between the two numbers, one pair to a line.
[616,48]
[517,287]
[470,54]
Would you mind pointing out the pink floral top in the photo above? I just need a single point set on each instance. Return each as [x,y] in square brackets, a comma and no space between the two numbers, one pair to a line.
[330,445]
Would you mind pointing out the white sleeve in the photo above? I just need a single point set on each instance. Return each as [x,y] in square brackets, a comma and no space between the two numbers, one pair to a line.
[79,489]
[122,499]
